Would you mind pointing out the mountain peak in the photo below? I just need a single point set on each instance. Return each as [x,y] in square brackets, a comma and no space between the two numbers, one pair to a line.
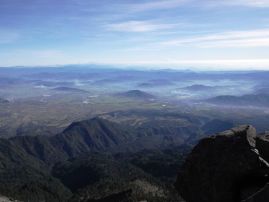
[137,94]
[245,132]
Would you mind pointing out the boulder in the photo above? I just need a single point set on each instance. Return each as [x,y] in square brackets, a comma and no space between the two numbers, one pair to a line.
[227,167]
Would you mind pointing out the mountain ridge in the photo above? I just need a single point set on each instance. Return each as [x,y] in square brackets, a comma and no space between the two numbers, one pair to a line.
[136,94]
[260,100]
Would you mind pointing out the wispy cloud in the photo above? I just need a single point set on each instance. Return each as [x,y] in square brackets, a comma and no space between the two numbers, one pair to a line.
[253,38]
[157,5]
[248,3]
[171,4]
[139,26]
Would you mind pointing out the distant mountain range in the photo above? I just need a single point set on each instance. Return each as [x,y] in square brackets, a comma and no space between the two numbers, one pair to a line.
[260,100]
[156,83]
[264,90]
[3,101]
[199,87]
[71,90]
[136,94]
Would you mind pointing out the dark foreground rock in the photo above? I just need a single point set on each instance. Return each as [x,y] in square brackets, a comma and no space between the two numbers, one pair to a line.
[229,167]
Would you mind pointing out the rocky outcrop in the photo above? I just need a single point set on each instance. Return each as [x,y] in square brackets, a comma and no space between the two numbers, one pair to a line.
[229,167]
[6,199]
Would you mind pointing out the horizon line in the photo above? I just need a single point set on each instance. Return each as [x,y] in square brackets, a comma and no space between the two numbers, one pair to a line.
[140,67]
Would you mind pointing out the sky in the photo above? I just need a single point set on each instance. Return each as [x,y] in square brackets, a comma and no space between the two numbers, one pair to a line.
[209,34]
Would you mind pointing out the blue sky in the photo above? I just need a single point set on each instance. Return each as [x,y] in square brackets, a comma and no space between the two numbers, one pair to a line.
[214,34]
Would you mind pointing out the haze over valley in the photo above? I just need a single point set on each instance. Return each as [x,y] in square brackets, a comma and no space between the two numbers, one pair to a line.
[44,101]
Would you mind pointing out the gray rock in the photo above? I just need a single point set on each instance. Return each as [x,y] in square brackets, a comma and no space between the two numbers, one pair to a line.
[227,167]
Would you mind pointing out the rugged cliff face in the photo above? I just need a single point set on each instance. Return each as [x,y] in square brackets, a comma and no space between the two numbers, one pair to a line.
[229,167]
